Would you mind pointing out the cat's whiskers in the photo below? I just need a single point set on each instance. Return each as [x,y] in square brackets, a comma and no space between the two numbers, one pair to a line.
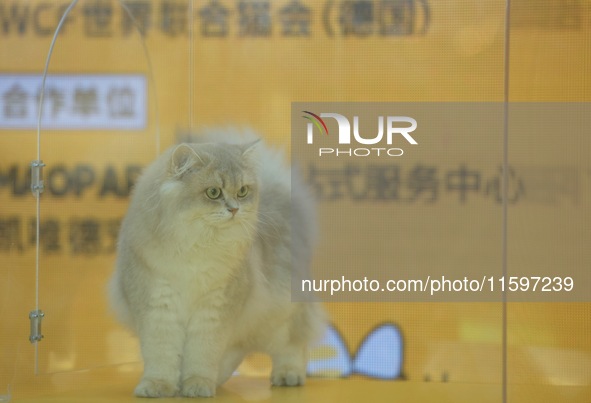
[266,219]
[251,229]
[149,201]
[159,226]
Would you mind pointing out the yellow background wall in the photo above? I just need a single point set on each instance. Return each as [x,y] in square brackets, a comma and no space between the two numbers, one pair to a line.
[245,80]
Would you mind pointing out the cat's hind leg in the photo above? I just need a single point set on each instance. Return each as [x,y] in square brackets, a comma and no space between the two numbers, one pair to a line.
[289,358]
[289,343]
[229,364]
[289,366]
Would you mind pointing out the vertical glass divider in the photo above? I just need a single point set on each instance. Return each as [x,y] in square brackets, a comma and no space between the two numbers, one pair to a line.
[37,188]
[191,66]
[505,189]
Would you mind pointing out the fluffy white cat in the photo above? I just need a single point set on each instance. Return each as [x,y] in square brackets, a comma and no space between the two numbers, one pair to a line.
[205,259]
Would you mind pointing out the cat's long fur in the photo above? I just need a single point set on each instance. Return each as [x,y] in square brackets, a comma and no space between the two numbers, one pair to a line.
[202,284]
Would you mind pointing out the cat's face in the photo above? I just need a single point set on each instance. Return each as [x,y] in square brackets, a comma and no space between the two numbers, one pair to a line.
[213,185]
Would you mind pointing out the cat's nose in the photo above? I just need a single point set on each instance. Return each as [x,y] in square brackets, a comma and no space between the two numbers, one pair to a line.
[233,210]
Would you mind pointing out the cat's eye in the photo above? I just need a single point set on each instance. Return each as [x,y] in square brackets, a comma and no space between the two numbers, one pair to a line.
[243,191]
[213,193]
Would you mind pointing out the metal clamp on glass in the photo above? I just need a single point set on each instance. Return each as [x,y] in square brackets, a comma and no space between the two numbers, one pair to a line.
[37,185]
[36,317]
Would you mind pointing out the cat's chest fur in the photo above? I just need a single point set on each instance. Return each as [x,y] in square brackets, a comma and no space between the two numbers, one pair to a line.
[194,271]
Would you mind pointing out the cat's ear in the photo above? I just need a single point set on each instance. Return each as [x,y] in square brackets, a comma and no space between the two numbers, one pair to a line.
[248,148]
[249,154]
[184,158]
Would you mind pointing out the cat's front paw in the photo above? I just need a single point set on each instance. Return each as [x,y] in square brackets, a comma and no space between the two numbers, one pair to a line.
[288,376]
[155,388]
[197,386]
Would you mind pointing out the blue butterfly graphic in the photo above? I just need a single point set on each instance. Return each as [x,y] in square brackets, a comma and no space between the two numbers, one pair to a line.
[379,356]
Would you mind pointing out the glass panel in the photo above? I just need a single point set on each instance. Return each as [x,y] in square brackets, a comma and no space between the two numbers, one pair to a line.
[99,128]
[246,65]
[435,211]
[108,98]
[549,343]
[452,227]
